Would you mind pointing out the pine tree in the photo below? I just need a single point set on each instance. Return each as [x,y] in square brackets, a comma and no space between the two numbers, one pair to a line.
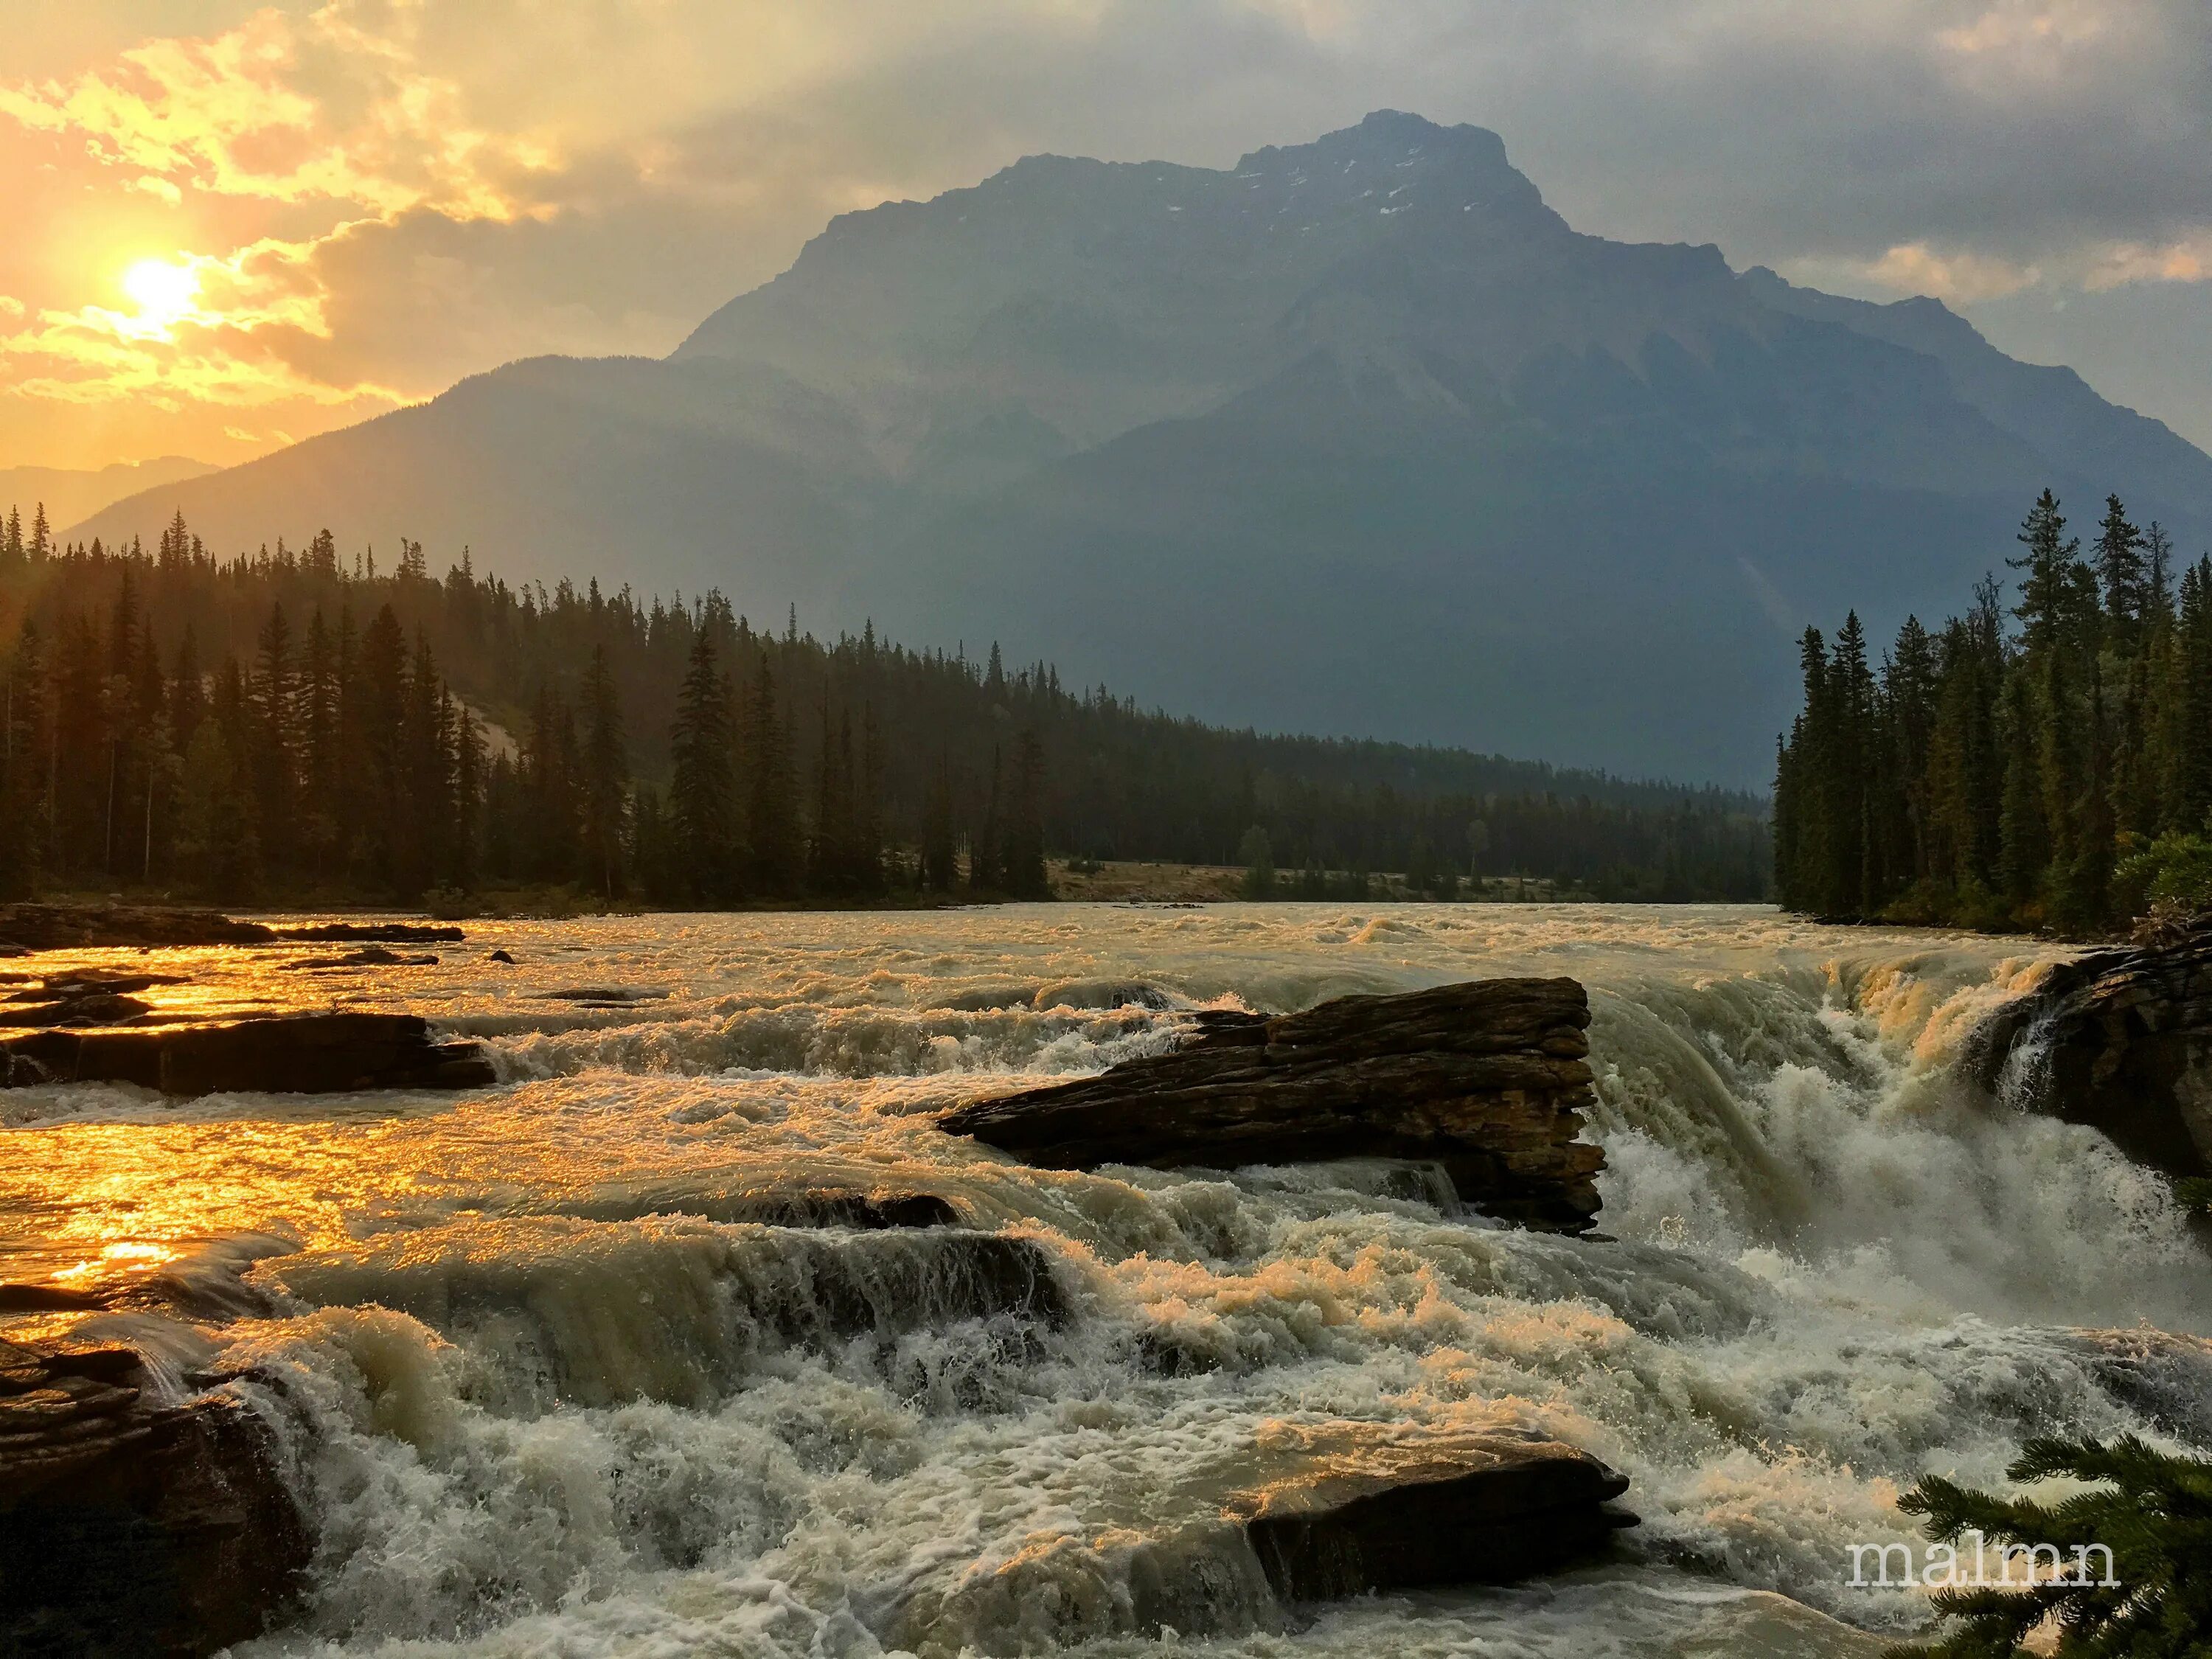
[607,776]
[1025,833]
[771,806]
[215,821]
[2026,836]
[2123,574]
[700,795]
[271,758]
[2058,604]
[940,853]
[985,872]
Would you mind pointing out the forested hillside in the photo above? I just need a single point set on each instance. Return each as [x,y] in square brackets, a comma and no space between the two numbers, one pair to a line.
[2045,765]
[296,722]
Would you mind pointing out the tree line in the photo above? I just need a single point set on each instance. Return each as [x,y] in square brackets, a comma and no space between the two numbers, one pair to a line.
[2047,764]
[298,722]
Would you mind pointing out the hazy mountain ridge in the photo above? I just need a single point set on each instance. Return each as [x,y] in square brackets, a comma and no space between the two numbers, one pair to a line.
[70,494]
[1358,436]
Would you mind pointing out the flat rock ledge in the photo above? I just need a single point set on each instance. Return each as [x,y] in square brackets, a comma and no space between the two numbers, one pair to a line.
[2120,1041]
[1335,1510]
[1487,1509]
[1488,1079]
[26,927]
[282,1054]
[129,1528]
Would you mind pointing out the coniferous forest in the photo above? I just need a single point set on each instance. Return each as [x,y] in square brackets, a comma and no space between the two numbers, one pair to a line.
[297,723]
[2045,764]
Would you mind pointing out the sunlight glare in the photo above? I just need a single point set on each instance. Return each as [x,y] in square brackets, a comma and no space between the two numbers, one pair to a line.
[165,294]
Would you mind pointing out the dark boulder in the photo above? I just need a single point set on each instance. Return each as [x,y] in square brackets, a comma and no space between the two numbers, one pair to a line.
[25,928]
[2120,1041]
[373,933]
[96,926]
[68,1006]
[837,1206]
[1488,1080]
[129,1528]
[1374,1513]
[868,1209]
[284,1053]
[373,955]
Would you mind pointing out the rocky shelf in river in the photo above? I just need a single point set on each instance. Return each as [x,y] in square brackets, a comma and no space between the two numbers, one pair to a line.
[1488,1080]
[2120,1041]
[130,1526]
[27,927]
[280,1054]
[1371,1511]
[1322,1511]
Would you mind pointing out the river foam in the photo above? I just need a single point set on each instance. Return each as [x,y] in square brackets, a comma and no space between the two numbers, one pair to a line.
[546,1389]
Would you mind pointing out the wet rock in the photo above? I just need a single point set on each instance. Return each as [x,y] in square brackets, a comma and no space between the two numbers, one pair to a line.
[844,1207]
[373,933]
[131,1528]
[868,1210]
[374,956]
[1340,1510]
[605,996]
[2120,1041]
[1370,1513]
[68,1006]
[49,1299]
[26,927]
[1488,1080]
[500,955]
[91,926]
[2164,1377]
[284,1053]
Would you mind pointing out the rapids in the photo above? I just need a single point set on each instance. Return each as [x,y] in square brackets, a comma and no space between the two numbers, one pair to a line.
[544,1395]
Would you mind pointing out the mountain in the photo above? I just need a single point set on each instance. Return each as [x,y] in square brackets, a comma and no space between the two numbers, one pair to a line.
[1358,436]
[70,494]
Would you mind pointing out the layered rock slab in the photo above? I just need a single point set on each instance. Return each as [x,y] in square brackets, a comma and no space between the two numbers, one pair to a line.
[286,1053]
[131,1528]
[2120,1041]
[1488,1079]
[1370,1513]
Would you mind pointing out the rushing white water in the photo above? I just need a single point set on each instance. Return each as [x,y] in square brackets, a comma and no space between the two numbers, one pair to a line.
[543,1393]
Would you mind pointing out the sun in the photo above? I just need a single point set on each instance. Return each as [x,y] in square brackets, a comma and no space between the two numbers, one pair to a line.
[164,293]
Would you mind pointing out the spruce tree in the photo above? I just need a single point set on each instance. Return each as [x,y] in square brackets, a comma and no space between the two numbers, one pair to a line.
[700,796]
[1023,855]
[2026,847]
[2122,571]
[606,775]
[771,803]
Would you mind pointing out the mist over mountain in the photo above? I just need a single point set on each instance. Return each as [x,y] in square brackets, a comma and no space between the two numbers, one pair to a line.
[69,494]
[1357,436]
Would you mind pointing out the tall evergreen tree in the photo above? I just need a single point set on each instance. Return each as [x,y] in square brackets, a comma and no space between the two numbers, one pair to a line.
[607,776]
[700,792]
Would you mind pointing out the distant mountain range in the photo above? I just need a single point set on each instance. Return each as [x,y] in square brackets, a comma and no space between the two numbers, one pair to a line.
[70,494]
[1358,436]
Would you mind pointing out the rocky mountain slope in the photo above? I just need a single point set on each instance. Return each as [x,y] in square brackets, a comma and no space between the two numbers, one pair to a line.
[1356,436]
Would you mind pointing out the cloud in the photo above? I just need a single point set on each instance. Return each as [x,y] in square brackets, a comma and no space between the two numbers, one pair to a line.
[381,196]
[1915,267]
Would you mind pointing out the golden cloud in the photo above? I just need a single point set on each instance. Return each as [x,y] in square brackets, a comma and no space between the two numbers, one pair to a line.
[1960,278]
[331,114]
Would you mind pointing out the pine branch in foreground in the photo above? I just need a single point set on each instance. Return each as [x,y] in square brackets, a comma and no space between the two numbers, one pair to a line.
[2134,1554]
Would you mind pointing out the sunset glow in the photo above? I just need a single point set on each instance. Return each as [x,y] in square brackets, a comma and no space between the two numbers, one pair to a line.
[165,294]
[241,222]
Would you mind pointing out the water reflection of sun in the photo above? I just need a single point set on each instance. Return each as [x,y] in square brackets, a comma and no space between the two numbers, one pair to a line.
[124,1256]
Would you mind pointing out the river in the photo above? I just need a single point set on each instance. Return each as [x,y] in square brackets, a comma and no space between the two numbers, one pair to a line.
[540,1399]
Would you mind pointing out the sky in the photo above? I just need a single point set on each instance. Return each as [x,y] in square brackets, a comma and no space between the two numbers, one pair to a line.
[226,226]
